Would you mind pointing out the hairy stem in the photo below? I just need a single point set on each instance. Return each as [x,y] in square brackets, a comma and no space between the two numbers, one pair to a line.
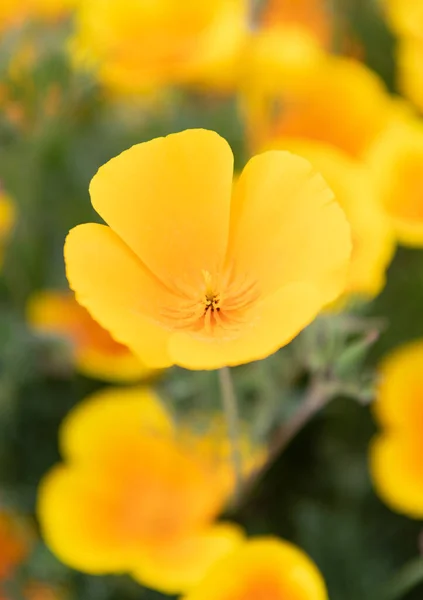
[230,407]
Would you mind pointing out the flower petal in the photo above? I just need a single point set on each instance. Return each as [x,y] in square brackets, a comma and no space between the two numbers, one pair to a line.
[262,568]
[122,412]
[118,291]
[169,200]
[286,226]
[177,567]
[279,318]
[74,521]
[397,472]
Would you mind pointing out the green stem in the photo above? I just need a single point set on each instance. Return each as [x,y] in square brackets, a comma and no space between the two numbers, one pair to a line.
[404,581]
[230,407]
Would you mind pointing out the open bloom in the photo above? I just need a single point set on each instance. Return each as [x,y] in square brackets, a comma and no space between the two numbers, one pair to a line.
[96,353]
[396,160]
[336,100]
[136,45]
[262,568]
[137,495]
[396,452]
[194,273]
[352,183]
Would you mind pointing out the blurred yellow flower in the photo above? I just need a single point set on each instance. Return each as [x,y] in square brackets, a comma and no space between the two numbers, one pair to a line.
[410,69]
[187,275]
[310,15]
[405,16]
[16,12]
[16,538]
[262,569]
[396,452]
[7,220]
[96,353]
[138,45]
[354,189]
[136,495]
[396,160]
[337,100]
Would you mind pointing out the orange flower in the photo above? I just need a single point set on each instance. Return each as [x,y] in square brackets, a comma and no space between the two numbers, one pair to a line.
[138,45]
[396,452]
[336,100]
[263,568]
[137,496]
[96,353]
[396,160]
[186,275]
[15,542]
[354,189]
[311,15]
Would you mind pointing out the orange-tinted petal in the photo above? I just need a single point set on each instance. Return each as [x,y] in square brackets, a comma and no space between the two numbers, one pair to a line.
[169,200]
[118,291]
[286,226]
[178,567]
[262,568]
[276,321]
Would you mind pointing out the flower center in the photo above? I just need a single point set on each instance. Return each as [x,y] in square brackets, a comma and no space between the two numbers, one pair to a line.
[221,306]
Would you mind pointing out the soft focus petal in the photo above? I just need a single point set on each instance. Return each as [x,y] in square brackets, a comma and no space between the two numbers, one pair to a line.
[399,400]
[278,319]
[286,226]
[109,417]
[262,568]
[405,16]
[74,515]
[181,566]
[410,69]
[397,471]
[354,189]
[169,200]
[396,160]
[118,291]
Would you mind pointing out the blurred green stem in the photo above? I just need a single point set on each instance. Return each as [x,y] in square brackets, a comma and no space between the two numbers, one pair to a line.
[404,580]
[230,407]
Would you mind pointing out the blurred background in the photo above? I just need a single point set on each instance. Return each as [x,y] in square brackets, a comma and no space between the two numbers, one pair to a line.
[82,80]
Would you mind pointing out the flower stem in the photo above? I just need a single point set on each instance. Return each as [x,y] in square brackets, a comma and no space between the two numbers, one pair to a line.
[230,407]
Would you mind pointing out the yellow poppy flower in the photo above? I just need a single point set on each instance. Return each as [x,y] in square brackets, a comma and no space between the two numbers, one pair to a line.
[396,160]
[395,453]
[16,538]
[405,16]
[186,275]
[96,353]
[263,567]
[136,495]
[337,100]
[136,46]
[354,189]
